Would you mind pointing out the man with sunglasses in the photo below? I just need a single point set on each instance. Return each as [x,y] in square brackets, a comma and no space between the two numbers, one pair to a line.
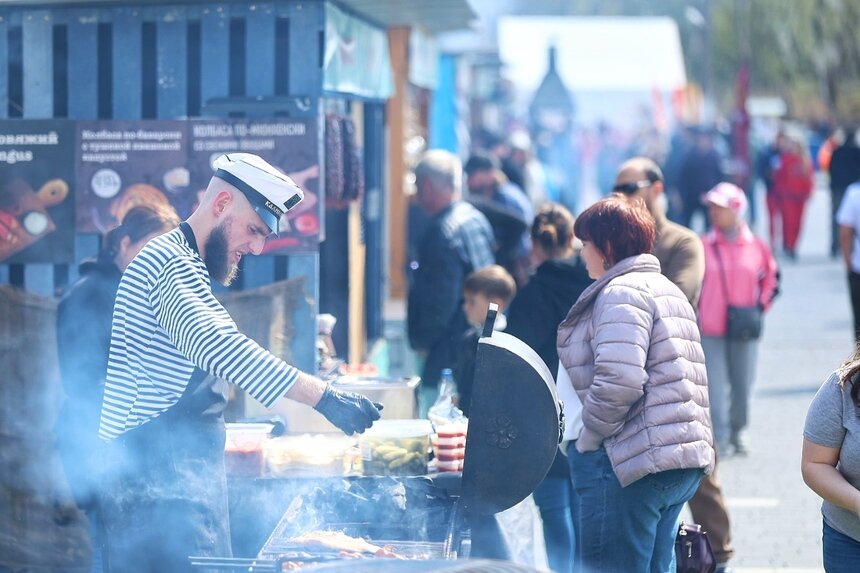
[678,249]
[682,260]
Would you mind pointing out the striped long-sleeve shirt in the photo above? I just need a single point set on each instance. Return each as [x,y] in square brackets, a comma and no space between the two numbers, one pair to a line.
[166,321]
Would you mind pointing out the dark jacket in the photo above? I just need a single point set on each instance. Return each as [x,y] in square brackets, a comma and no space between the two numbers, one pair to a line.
[540,306]
[538,309]
[700,171]
[844,167]
[466,354]
[83,341]
[464,369]
[458,241]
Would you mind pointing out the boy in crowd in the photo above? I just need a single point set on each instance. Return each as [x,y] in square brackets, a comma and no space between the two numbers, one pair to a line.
[491,284]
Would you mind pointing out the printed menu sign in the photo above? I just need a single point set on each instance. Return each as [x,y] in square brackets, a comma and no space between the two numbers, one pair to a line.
[122,164]
[289,145]
[37,212]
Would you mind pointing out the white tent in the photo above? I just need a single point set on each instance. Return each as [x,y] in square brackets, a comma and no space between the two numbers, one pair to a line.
[617,69]
[595,53]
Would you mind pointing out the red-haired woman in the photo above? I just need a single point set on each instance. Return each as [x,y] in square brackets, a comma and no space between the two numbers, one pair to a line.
[630,345]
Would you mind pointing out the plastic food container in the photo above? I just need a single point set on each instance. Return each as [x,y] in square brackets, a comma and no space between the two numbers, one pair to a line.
[449,446]
[243,449]
[396,447]
[452,430]
[449,466]
[317,454]
[448,442]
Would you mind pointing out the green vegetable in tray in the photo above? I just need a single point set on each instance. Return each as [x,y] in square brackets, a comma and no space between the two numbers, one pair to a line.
[395,456]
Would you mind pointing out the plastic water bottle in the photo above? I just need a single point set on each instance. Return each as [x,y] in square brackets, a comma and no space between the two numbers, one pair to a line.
[447,388]
[444,409]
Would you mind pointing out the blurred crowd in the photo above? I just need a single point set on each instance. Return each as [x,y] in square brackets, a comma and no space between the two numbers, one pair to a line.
[552,242]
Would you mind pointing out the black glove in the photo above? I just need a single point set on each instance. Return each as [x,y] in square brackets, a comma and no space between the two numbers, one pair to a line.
[348,411]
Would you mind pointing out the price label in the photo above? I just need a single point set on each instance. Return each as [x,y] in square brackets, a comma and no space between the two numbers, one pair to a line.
[106,183]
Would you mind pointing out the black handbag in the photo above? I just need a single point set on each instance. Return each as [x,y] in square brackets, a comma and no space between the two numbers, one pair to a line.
[742,322]
[693,553]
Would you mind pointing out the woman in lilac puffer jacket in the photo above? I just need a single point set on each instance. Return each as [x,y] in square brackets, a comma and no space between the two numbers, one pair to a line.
[630,346]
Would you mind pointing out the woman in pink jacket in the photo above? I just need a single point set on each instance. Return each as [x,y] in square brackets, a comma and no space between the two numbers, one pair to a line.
[740,271]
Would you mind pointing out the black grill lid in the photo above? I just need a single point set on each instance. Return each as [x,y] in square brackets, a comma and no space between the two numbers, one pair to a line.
[513,425]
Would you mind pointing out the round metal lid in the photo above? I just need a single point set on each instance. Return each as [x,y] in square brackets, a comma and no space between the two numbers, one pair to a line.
[514,424]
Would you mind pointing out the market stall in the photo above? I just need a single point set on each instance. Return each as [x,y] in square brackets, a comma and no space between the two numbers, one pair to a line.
[319,498]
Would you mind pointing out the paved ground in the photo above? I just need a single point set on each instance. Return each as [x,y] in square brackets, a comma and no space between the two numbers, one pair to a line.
[775,517]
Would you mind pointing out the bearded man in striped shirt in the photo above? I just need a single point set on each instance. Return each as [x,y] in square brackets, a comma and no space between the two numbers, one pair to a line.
[174,349]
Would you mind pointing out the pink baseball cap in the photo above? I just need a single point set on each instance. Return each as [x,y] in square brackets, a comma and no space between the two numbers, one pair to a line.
[728,195]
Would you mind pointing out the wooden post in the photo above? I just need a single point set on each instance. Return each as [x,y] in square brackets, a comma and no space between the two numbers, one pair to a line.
[215,51]
[398,42]
[4,65]
[127,53]
[357,327]
[38,68]
[171,62]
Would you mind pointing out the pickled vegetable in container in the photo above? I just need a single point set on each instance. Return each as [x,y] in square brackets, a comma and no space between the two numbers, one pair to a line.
[396,447]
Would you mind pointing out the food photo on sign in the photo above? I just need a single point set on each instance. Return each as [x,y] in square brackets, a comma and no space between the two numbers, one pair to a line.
[37,220]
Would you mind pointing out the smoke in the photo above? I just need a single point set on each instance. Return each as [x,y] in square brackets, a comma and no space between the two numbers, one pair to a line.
[41,525]
[54,469]
[376,508]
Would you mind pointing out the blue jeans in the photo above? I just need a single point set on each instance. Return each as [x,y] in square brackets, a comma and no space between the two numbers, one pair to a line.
[553,498]
[627,529]
[841,553]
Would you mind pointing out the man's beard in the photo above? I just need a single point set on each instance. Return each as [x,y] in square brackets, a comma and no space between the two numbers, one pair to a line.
[217,256]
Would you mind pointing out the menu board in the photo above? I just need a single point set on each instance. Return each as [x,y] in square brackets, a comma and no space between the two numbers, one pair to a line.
[122,164]
[37,210]
[289,145]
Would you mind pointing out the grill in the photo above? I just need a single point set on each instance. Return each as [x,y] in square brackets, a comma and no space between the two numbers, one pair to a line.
[278,556]
[414,517]
[513,437]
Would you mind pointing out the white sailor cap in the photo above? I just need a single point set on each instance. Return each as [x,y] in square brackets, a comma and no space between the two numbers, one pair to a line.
[270,192]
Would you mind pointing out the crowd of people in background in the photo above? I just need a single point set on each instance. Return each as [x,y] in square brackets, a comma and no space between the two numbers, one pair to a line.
[587,300]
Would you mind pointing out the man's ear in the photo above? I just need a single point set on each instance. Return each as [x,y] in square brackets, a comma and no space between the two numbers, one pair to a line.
[423,185]
[124,244]
[222,202]
[657,189]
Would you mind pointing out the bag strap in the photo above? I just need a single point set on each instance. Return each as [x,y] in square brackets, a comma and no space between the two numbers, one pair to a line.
[722,269]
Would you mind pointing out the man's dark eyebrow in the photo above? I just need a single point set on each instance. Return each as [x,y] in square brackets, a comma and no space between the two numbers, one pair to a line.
[262,230]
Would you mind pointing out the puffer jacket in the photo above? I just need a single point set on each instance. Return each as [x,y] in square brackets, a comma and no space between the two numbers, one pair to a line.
[632,350]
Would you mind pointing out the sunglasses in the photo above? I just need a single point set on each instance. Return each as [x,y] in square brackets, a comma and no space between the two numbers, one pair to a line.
[630,188]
